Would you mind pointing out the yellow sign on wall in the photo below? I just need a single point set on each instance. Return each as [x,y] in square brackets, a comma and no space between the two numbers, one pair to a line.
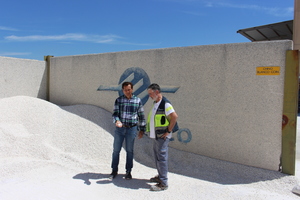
[270,70]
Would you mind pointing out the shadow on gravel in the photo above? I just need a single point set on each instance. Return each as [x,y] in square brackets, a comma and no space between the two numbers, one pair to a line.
[118,180]
[204,168]
[180,162]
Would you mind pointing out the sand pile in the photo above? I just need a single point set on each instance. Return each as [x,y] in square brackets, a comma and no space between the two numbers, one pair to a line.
[52,152]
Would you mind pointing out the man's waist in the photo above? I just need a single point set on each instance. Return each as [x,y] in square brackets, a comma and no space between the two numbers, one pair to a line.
[129,126]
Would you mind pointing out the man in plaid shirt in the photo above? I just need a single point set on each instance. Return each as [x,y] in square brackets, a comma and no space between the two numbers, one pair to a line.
[128,116]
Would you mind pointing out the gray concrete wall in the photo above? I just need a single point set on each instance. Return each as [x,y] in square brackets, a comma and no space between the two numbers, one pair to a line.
[225,110]
[22,77]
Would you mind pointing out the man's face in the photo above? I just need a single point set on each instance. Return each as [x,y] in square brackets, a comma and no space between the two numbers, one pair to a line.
[153,94]
[127,90]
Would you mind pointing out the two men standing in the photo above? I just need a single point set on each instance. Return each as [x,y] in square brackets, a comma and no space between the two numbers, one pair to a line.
[162,121]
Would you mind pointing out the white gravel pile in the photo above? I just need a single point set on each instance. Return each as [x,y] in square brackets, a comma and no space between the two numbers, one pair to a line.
[52,152]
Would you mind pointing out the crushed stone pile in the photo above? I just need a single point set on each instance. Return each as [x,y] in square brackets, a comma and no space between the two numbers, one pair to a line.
[64,152]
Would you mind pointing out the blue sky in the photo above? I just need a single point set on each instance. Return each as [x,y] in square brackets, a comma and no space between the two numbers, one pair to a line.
[32,29]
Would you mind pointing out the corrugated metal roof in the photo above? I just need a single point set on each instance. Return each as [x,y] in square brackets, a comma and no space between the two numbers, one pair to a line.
[277,31]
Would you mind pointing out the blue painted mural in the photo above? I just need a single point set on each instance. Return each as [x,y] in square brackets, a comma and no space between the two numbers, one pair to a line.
[140,79]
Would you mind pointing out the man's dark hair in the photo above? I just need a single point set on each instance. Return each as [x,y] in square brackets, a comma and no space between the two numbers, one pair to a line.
[154,87]
[127,83]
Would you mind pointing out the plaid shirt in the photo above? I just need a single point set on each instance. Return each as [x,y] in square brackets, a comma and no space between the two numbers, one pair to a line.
[129,112]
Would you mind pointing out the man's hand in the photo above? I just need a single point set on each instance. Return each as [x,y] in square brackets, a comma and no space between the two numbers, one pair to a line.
[164,136]
[140,135]
[119,124]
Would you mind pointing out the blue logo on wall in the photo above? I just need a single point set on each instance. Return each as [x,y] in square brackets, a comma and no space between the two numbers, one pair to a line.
[140,80]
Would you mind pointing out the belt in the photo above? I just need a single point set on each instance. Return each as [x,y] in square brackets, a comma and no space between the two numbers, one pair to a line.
[129,126]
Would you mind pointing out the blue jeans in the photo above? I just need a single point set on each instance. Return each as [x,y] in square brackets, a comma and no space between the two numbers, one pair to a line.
[121,134]
[160,148]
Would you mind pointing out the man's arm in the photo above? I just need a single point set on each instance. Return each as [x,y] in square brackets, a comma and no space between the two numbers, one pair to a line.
[172,121]
[116,111]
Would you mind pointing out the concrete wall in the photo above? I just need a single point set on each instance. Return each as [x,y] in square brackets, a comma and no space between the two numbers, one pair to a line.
[22,77]
[226,111]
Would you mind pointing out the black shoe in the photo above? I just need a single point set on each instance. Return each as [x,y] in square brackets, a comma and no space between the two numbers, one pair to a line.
[128,176]
[155,179]
[113,174]
[158,187]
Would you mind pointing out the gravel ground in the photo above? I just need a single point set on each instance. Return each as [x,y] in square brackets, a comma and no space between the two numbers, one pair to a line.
[52,152]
